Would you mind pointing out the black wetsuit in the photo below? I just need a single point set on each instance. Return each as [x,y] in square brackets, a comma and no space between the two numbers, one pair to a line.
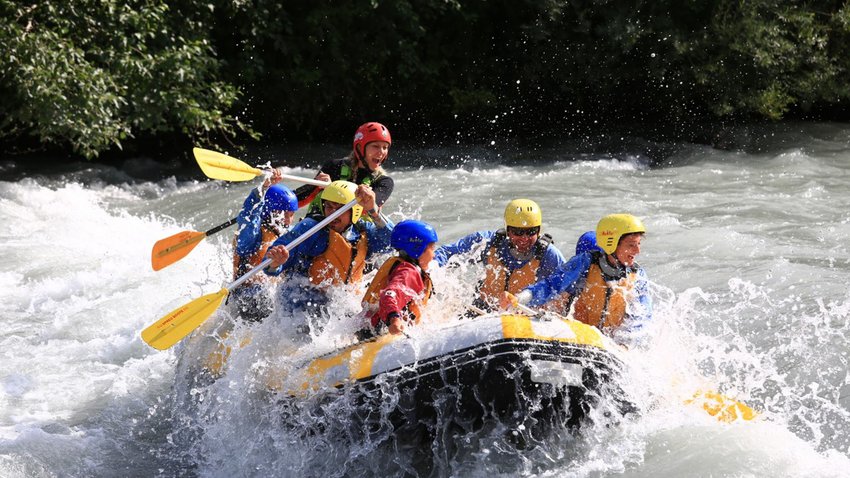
[340,169]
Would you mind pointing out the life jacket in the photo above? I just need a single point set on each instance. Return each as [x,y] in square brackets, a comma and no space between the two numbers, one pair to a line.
[498,278]
[345,174]
[241,265]
[603,301]
[342,262]
[379,282]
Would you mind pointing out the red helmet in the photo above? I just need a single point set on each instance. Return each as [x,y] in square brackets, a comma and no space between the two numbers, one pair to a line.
[367,133]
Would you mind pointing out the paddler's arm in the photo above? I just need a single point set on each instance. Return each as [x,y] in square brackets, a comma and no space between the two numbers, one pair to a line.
[282,262]
[632,331]
[307,192]
[279,255]
[564,279]
[643,303]
[383,187]
[365,197]
[248,225]
[400,290]
[552,260]
[461,246]
[379,237]
[377,217]
[379,232]
[368,198]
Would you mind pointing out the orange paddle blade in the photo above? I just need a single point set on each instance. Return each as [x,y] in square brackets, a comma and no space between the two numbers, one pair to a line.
[181,321]
[173,248]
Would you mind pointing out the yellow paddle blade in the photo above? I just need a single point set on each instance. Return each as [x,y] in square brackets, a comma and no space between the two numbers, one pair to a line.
[173,248]
[721,407]
[220,166]
[181,321]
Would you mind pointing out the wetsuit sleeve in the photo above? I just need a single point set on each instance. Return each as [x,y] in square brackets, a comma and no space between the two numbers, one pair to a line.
[301,253]
[461,246]
[404,285]
[383,189]
[552,260]
[248,226]
[639,312]
[307,193]
[379,237]
[566,278]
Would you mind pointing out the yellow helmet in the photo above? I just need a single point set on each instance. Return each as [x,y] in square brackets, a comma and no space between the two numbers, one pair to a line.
[342,192]
[614,226]
[523,213]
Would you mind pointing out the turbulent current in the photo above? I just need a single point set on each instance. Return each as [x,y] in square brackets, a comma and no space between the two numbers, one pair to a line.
[746,249]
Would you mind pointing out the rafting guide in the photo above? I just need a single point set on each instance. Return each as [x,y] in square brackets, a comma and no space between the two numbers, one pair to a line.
[370,150]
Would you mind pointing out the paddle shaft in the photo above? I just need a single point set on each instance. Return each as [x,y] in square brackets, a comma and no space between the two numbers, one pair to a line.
[312,182]
[527,310]
[180,322]
[221,226]
[173,248]
[298,240]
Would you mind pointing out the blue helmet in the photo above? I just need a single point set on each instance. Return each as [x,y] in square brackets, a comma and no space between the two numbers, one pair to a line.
[412,237]
[587,243]
[280,198]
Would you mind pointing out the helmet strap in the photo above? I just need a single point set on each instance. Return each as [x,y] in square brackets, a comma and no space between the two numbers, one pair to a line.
[361,162]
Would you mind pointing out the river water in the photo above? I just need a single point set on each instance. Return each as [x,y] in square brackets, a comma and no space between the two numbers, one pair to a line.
[746,249]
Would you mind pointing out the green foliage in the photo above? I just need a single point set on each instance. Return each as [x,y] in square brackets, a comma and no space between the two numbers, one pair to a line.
[534,64]
[91,73]
[768,56]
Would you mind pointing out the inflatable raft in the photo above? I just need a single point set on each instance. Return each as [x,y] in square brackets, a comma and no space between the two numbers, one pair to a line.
[524,372]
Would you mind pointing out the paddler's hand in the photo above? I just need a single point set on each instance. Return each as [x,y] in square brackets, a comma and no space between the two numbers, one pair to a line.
[396,324]
[279,255]
[274,178]
[508,300]
[365,197]
[323,177]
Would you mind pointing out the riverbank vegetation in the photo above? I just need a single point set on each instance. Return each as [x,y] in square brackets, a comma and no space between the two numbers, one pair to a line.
[93,76]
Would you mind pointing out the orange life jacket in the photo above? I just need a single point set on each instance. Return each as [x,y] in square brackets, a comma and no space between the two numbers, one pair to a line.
[498,278]
[342,262]
[243,265]
[603,303]
[379,282]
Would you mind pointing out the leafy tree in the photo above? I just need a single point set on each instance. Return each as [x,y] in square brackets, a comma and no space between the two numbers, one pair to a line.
[91,73]
[768,57]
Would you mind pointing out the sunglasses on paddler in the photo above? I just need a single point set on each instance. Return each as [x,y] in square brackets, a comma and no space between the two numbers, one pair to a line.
[523,231]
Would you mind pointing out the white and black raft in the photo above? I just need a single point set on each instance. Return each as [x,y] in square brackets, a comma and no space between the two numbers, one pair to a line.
[527,373]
